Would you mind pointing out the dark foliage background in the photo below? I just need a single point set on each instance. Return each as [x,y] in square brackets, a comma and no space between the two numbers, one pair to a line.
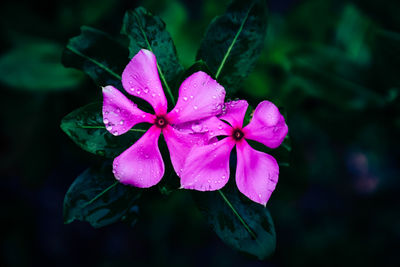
[332,65]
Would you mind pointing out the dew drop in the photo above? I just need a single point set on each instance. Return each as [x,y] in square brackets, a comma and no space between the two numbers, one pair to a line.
[153,95]
[191,97]
[146,90]
[185,98]
[197,127]
[144,116]
[195,107]
[214,96]
[259,195]
[121,122]
[118,110]
[105,121]
[109,128]
[115,132]
[106,112]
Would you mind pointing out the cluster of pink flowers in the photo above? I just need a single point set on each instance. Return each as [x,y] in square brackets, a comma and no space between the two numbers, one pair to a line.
[190,131]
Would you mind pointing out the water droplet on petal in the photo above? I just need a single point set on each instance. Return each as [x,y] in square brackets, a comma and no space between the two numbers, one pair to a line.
[195,107]
[197,127]
[109,128]
[146,90]
[153,95]
[105,121]
[185,98]
[121,122]
[191,97]
[214,96]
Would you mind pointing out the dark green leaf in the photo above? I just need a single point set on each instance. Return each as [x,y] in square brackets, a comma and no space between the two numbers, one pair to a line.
[86,128]
[36,66]
[234,41]
[147,31]
[97,198]
[240,223]
[98,55]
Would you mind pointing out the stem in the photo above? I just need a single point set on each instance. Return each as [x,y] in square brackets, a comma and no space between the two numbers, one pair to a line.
[237,214]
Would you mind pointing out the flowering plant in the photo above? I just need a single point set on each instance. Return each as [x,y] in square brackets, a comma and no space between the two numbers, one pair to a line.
[192,129]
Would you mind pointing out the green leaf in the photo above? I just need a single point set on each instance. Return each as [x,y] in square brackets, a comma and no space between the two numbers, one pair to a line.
[240,223]
[97,198]
[98,55]
[36,67]
[86,128]
[233,42]
[147,31]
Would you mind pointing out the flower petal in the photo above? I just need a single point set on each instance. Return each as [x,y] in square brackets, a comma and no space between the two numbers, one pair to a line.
[256,173]
[200,96]
[211,127]
[140,78]
[119,113]
[234,113]
[207,167]
[180,143]
[141,165]
[267,125]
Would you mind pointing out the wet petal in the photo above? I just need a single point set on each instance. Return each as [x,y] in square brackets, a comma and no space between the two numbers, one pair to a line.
[207,167]
[234,113]
[200,96]
[141,165]
[119,113]
[256,173]
[140,78]
[267,125]
[180,143]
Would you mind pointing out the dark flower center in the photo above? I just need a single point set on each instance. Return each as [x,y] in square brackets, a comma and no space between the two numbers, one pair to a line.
[237,134]
[161,122]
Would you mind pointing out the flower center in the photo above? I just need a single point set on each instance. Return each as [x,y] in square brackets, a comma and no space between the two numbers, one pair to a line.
[161,122]
[237,134]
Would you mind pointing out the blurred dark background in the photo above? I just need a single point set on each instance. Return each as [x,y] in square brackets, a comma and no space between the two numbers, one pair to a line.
[332,66]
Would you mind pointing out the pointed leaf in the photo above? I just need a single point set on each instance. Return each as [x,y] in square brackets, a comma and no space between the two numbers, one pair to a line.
[86,128]
[97,198]
[98,55]
[147,31]
[36,66]
[234,41]
[239,222]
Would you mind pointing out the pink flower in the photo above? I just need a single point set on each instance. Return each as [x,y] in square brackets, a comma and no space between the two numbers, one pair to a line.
[200,97]
[207,167]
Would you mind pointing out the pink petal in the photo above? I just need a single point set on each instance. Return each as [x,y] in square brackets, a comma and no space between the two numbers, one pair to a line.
[141,165]
[207,167]
[180,143]
[256,173]
[267,125]
[140,78]
[200,96]
[119,113]
[234,113]
[211,127]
